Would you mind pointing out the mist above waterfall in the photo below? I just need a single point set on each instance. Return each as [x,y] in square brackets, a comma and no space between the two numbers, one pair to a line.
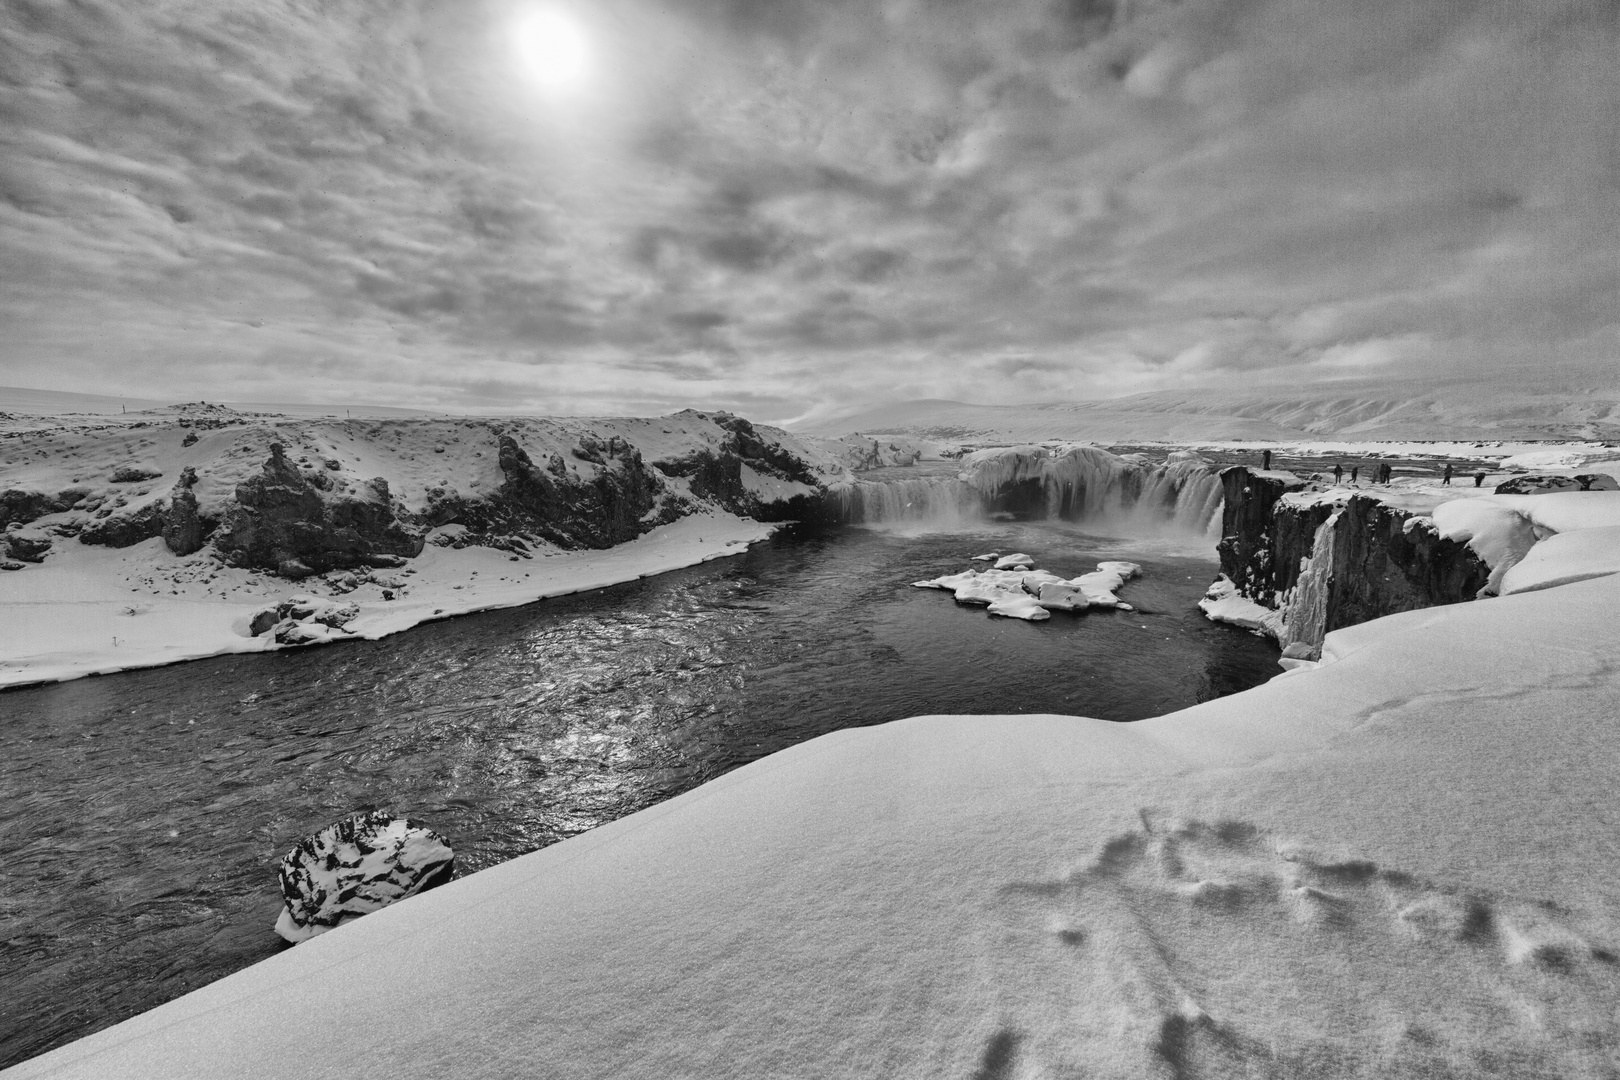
[1180,495]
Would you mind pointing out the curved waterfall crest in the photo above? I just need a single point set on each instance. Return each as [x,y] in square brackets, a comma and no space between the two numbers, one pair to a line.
[1067,482]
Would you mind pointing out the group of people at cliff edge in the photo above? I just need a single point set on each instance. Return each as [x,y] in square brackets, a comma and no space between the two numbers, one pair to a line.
[1385,471]
[1383,475]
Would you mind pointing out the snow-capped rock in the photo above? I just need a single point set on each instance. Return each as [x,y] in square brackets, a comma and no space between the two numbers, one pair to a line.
[356,866]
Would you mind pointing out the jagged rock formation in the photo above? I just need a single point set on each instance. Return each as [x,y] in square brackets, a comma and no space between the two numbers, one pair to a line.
[295,522]
[1327,564]
[609,502]
[737,474]
[356,866]
[303,497]
[1540,484]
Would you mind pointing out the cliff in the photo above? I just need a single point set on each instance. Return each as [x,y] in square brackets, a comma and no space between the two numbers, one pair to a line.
[1324,560]
[303,497]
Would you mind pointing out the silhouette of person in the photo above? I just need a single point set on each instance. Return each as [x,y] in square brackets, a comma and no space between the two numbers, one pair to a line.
[1338,473]
[1355,471]
[1266,460]
[1445,481]
[1479,478]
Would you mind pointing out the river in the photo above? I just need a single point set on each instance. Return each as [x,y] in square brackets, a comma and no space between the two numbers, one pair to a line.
[142,814]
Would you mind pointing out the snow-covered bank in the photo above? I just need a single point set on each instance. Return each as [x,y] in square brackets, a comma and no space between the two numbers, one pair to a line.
[1398,864]
[90,610]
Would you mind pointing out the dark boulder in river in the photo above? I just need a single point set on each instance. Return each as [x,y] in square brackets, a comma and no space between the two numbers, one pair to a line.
[356,866]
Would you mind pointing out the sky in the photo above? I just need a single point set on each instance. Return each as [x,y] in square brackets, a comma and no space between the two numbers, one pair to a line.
[791,209]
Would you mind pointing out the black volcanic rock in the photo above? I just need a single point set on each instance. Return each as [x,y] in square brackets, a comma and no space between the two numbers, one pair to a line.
[123,530]
[285,518]
[1247,546]
[716,474]
[183,528]
[1384,559]
[356,866]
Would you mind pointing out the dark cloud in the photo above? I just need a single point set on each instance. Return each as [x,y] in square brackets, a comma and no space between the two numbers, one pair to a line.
[775,205]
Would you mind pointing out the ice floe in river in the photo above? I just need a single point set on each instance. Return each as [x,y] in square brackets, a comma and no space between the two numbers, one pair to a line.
[1026,593]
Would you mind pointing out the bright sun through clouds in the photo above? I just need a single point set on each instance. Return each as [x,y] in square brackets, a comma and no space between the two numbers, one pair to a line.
[552,48]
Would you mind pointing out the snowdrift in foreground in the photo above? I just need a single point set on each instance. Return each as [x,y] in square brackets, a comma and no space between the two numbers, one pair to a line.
[1398,864]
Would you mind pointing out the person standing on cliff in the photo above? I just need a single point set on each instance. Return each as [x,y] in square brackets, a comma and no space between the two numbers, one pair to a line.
[1266,461]
[1445,481]
[1338,473]
[1479,478]
[1355,473]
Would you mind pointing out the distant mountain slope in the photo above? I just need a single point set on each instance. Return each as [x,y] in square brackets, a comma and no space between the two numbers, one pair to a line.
[1463,413]
[20,399]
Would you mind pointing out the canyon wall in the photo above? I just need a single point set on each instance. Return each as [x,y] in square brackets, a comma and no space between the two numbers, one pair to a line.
[1331,559]
[301,497]
[1069,483]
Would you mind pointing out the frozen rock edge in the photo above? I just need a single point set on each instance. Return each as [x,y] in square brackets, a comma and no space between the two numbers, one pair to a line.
[357,866]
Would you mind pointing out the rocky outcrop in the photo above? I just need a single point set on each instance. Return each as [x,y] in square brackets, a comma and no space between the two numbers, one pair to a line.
[1326,563]
[298,523]
[1541,484]
[183,527]
[121,530]
[22,506]
[304,620]
[356,866]
[24,545]
[737,473]
[611,499]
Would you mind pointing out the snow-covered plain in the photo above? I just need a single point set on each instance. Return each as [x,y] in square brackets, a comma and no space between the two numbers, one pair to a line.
[1400,863]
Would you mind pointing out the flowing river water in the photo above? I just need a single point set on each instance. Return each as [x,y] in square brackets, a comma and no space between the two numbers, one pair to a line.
[142,815]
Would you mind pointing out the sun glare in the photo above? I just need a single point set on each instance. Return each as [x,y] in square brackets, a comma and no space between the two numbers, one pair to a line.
[552,48]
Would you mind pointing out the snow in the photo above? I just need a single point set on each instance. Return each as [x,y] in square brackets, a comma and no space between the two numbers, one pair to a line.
[1398,863]
[1503,529]
[1224,603]
[1564,558]
[1011,589]
[93,610]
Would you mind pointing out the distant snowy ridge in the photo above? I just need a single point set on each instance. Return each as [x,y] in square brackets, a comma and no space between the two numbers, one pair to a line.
[1363,410]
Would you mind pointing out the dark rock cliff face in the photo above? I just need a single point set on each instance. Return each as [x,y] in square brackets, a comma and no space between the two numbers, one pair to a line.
[568,509]
[1380,559]
[1248,544]
[1380,566]
[292,522]
[717,474]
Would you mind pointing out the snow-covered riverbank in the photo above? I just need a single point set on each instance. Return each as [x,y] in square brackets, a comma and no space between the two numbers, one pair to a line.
[1400,863]
[98,610]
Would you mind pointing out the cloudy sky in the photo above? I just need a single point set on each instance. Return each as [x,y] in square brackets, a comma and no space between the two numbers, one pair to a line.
[788,207]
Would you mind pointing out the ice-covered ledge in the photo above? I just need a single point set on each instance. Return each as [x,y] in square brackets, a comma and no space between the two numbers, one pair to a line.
[1401,858]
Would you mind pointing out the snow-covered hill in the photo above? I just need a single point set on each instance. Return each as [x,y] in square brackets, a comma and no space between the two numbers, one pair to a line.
[1360,412]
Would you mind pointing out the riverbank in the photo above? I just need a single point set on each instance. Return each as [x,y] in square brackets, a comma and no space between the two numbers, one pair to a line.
[95,610]
[1400,862]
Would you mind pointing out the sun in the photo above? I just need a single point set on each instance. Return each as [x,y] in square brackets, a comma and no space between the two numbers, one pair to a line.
[552,48]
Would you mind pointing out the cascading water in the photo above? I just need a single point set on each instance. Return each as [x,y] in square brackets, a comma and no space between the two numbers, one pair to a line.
[1070,483]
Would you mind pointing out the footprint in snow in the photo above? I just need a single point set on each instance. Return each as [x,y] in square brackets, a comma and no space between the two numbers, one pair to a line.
[1216,949]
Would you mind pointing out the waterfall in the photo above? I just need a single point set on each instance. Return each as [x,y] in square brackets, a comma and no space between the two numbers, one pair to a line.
[1305,607]
[1071,483]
